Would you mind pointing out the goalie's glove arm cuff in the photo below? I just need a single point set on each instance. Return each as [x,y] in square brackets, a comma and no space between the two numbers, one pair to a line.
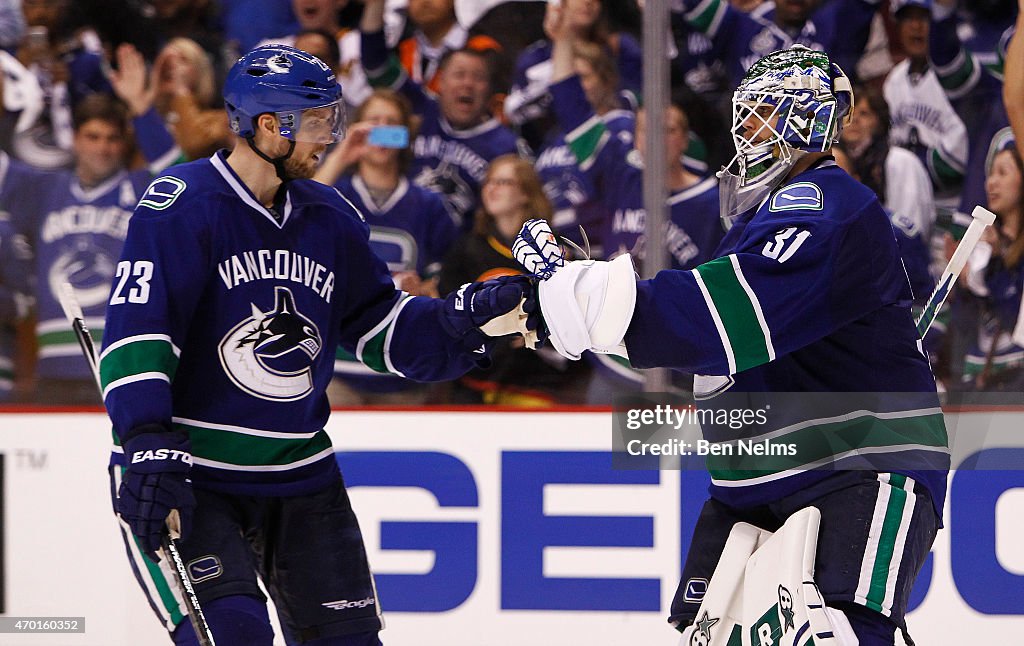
[671,327]
[587,305]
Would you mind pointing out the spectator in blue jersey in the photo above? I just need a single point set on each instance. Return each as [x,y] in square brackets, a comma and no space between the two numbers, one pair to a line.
[614,165]
[76,229]
[996,275]
[511,195]
[738,38]
[410,230]
[457,137]
[528,104]
[804,313]
[238,279]
[573,195]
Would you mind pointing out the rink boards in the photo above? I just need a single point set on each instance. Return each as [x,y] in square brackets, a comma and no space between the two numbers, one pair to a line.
[488,529]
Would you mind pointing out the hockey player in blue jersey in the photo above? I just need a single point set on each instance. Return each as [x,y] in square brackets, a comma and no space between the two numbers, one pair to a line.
[804,314]
[239,277]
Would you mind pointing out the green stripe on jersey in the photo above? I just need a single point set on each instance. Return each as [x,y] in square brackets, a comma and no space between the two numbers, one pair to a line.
[952,80]
[390,75]
[373,351]
[245,450]
[818,444]
[374,348]
[887,541]
[138,357]
[744,334]
[944,173]
[586,143]
[704,17]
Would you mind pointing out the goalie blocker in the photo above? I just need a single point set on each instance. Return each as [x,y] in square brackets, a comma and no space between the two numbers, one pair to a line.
[742,586]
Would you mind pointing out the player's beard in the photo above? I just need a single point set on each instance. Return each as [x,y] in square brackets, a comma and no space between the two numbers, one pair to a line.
[295,168]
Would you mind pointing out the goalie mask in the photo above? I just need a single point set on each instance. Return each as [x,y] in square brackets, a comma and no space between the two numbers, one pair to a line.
[790,103]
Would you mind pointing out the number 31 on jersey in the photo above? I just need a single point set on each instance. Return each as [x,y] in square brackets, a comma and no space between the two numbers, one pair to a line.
[785,244]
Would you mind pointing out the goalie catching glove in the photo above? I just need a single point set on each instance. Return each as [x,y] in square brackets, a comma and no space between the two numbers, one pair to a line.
[585,304]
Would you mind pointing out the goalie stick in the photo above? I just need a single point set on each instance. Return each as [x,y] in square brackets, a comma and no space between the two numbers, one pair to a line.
[980,218]
[73,312]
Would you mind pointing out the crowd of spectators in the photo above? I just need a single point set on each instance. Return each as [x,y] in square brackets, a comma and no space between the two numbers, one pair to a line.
[467,118]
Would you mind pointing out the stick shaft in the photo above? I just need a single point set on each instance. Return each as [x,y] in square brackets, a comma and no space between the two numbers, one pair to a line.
[73,312]
[981,218]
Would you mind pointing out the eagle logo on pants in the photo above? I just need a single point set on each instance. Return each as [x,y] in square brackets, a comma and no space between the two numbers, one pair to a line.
[270,354]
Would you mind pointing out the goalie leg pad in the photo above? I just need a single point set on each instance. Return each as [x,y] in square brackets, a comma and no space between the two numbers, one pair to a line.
[588,304]
[763,591]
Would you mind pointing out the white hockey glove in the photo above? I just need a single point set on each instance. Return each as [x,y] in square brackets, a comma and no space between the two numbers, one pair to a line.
[585,304]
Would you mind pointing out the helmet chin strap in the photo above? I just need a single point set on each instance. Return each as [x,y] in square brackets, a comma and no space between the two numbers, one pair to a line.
[276,162]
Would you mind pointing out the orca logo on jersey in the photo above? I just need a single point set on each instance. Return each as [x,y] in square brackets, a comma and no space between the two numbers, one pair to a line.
[269,354]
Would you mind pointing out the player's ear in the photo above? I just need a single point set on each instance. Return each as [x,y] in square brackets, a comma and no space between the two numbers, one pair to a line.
[266,123]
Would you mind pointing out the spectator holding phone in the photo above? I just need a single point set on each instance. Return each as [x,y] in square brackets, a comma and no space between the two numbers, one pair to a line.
[410,229]
[457,137]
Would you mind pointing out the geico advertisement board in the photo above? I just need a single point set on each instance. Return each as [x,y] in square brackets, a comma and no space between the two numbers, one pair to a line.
[485,529]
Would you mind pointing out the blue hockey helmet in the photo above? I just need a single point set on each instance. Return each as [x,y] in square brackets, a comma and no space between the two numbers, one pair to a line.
[287,82]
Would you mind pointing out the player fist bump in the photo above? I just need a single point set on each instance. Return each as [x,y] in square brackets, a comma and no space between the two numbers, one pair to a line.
[155,482]
[586,304]
[498,307]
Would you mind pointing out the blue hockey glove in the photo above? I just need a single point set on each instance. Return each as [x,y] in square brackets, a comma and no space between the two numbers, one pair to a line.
[155,482]
[477,311]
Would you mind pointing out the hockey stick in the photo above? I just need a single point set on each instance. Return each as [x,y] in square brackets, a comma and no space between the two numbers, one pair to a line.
[981,218]
[73,312]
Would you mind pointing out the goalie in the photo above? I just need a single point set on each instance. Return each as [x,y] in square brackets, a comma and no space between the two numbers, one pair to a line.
[806,294]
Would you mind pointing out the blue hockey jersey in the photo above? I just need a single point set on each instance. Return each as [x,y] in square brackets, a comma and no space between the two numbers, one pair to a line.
[615,168]
[222,322]
[448,160]
[77,234]
[412,231]
[529,98]
[805,315]
[573,196]
[740,38]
